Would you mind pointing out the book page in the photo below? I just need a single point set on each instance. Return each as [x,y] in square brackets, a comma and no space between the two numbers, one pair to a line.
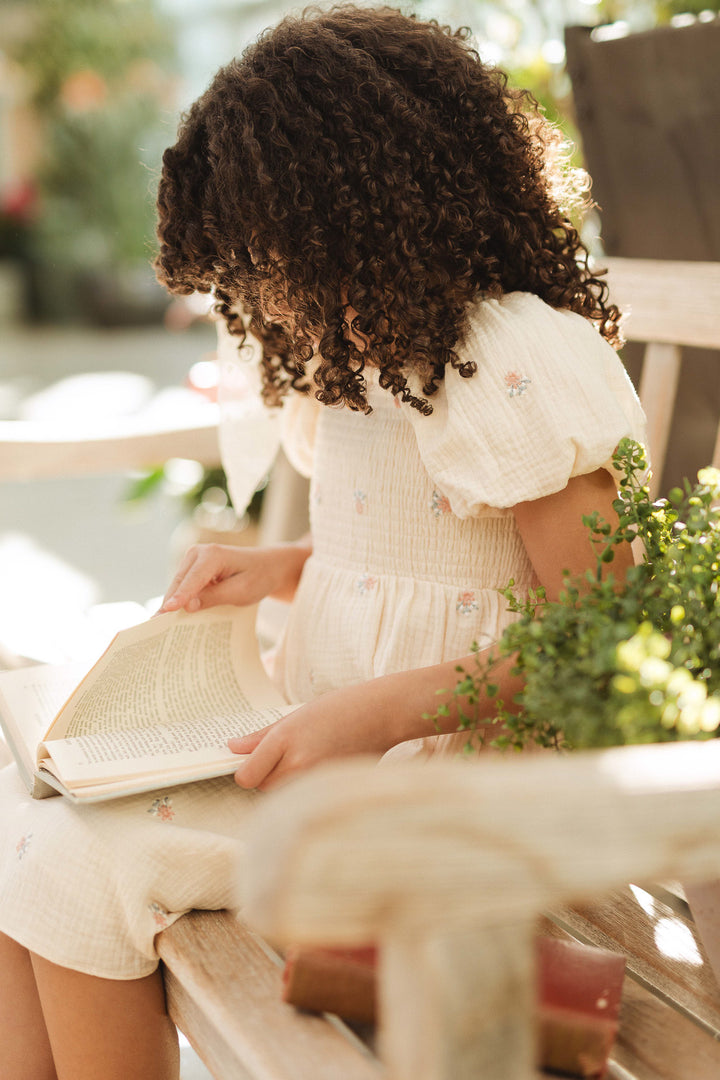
[176,667]
[188,747]
[29,698]
[104,790]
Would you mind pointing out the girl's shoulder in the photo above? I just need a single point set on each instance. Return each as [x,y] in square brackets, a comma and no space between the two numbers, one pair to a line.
[524,319]
[549,400]
[519,342]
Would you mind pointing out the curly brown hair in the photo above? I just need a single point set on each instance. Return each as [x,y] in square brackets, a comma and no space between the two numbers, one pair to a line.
[351,183]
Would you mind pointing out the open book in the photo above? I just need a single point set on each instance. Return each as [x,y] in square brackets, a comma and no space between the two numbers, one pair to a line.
[156,709]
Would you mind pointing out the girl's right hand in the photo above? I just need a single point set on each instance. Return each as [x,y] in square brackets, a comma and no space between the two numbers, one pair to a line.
[212,574]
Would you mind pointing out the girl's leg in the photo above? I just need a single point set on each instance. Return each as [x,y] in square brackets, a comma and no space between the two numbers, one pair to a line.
[115,1029]
[24,1045]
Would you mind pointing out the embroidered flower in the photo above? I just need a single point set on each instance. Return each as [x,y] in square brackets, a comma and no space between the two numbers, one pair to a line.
[163,808]
[516,384]
[365,584]
[439,504]
[466,602]
[360,498]
[22,845]
[159,914]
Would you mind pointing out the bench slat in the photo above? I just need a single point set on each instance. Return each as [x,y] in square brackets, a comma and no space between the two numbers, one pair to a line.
[224,993]
[655,1042]
[674,302]
[658,390]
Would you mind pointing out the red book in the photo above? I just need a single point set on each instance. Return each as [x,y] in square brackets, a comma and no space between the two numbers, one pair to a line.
[578,997]
[579,991]
[341,981]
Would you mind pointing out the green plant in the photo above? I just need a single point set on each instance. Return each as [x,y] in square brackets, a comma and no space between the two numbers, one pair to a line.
[202,489]
[100,82]
[617,662]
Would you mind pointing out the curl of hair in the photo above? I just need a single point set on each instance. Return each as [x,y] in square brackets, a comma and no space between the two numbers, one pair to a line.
[348,187]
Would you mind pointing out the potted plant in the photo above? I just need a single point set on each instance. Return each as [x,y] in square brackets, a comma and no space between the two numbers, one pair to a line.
[620,662]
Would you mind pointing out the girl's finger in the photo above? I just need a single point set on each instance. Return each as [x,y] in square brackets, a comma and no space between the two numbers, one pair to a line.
[188,560]
[258,766]
[245,744]
[201,573]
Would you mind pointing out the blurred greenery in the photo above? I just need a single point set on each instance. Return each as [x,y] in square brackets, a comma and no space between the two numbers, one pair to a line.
[100,76]
[658,12]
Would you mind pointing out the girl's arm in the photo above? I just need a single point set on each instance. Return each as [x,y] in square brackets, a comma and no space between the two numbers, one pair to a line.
[376,715]
[212,574]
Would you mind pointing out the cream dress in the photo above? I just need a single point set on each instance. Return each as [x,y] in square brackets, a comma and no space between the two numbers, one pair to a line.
[413,537]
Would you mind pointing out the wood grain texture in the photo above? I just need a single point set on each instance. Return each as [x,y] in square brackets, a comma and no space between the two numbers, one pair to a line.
[224,993]
[666,301]
[646,106]
[663,949]
[343,855]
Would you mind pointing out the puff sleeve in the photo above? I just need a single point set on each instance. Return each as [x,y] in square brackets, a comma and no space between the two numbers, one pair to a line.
[550,400]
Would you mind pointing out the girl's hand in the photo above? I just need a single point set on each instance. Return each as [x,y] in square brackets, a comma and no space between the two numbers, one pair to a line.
[212,574]
[337,724]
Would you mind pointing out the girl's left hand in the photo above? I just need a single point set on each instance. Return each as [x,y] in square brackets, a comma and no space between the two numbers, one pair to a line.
[337,724]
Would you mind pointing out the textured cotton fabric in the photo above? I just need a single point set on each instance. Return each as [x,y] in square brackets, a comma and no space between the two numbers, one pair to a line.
[413,537]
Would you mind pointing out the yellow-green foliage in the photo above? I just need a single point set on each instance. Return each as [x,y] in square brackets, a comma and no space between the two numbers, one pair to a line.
[630,662]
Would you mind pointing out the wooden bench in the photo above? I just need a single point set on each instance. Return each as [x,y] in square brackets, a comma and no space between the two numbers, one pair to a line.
[448,867]
[223,980]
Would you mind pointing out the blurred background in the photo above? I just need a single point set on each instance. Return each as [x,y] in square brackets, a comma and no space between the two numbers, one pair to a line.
[90,93]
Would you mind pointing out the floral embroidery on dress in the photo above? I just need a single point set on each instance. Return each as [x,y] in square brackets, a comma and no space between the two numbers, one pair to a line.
[466,602]
[163,808]
[22,845]
[440,504]
[360,498]
[516,384]
[159,914]
[365,584]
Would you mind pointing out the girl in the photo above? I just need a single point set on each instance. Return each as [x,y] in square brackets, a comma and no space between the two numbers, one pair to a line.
[382,209]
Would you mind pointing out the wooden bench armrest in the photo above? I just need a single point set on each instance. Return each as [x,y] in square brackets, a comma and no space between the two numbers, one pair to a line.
[348,852]
[449,864]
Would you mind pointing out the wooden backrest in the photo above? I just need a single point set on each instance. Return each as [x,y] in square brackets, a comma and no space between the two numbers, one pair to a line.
[669,305]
